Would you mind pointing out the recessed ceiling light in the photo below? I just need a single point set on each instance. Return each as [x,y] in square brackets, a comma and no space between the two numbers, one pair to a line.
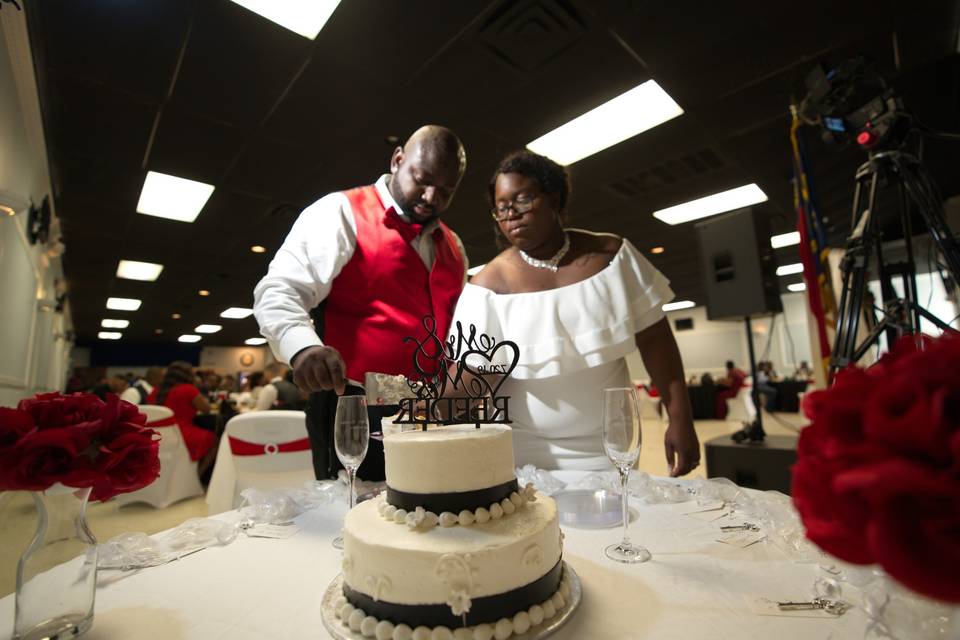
[109,335]
[188,337]
[258,249]
[175,316]
[108,323]
[123,304]
[797,286]
[728,200]
[785,239]
[203,292]
[236,313]
[682,304]
[207,328]
[133,270]
[790,269]
[472,271]
[303,18]
[158,331]
[641,108]
[657,250]
[255,342]
[173,198]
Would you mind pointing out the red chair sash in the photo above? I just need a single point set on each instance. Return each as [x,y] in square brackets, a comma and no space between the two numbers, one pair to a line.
[163,422]
[243,448]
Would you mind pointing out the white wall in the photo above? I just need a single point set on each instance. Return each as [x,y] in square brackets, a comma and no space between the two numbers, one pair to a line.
[34,352]
[234,359]
[707,346]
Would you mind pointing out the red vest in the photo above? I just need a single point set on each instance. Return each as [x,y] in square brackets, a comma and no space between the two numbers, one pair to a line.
[382,294]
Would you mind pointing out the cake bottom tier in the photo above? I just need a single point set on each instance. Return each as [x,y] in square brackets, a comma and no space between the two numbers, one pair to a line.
[435,577]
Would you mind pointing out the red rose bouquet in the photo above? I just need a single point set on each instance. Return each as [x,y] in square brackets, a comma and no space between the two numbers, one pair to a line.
[77,440]
[877,478]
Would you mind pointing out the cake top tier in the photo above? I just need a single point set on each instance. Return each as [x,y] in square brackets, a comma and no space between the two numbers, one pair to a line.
[451,459]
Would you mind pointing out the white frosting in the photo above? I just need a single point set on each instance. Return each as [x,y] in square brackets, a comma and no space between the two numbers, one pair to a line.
[521,622]
[412,567]
[449,460]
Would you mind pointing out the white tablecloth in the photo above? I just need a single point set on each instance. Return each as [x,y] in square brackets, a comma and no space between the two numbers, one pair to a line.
[257,588]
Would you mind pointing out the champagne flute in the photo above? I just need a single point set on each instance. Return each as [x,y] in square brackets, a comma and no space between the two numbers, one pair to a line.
[351,436]
[621,443]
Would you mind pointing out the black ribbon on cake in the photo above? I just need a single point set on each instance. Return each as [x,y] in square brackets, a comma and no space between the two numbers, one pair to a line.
[486,609]
[452,502]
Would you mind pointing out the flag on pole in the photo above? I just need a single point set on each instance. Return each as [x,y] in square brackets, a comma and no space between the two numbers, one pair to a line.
[813,248]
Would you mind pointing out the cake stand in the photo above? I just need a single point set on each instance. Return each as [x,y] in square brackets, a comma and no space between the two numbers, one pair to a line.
[340,631]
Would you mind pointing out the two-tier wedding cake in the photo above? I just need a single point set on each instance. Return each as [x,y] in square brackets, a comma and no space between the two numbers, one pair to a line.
[454,548]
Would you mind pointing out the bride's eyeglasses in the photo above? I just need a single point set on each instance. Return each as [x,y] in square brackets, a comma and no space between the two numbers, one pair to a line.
[519,206]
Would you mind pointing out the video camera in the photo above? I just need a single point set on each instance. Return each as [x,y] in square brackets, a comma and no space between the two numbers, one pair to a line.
[851,101]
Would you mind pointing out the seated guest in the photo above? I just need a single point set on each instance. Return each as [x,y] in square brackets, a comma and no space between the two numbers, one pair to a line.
[727,387]
[141,388]
[178,392]
[118,385]
[279,393]
[803,372]
[768,393]
[576,303]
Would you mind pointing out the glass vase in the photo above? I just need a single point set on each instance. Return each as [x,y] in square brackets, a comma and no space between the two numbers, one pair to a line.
[57,574]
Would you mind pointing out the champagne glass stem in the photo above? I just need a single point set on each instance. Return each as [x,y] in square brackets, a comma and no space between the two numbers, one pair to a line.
[351,474]
[624,475]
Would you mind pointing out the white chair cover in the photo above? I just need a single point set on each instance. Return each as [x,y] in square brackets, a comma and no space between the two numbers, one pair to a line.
[272,469]
[740,408]
[178,473]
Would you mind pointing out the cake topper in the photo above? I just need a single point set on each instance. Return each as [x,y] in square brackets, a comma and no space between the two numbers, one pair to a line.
[458,379]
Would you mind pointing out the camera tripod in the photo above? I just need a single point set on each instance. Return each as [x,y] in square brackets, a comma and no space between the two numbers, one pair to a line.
[900,315]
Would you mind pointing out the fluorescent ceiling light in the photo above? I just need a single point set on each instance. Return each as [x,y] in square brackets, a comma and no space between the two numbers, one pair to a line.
[133,270]
[303,17]
[107,323]
[682,304]
[109,335]
[785,239]
[173,198]
[236,313]
[255,342]
[790,269]
[728,200]
[797,286]
[123,304]
[472,271]
[207,328]
[641,108]
[188,337]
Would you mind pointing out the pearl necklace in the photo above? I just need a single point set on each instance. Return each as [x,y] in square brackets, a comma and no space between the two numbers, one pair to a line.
[551,262]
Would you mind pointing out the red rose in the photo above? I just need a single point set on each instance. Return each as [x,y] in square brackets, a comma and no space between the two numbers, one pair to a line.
[130,462]
[45,457]
[877,478]
[14,424]
[51,410]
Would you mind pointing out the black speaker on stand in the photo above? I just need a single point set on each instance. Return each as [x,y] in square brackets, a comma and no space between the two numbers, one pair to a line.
[739,269]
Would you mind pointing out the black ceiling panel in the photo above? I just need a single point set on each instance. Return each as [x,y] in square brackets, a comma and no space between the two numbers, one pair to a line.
[205,89]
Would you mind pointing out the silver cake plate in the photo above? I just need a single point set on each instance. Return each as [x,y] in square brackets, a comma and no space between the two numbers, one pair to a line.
[340,631]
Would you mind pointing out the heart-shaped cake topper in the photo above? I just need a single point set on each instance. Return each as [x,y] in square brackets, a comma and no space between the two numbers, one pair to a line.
[458,377]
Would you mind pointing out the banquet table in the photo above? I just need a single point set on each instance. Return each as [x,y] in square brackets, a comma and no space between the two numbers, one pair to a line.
[257,588]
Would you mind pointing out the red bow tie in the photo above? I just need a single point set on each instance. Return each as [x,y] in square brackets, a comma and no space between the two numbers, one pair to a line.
[407,230]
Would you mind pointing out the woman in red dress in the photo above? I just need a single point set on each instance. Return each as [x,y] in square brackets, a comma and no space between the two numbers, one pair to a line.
[178,392]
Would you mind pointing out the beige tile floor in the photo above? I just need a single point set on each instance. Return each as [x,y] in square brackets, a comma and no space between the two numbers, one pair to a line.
[17,515]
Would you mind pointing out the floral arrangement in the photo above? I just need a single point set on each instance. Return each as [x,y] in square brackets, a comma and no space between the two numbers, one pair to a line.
[877,478]
[79,441]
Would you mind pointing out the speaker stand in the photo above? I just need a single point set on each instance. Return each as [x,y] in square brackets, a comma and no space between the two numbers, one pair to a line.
[752,432]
